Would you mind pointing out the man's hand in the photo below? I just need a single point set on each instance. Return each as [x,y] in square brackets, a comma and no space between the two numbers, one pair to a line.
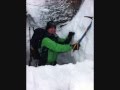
[75,46]
[69,38]
[71,34]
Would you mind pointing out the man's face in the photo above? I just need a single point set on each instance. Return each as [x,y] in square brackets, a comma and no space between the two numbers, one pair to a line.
[52,30]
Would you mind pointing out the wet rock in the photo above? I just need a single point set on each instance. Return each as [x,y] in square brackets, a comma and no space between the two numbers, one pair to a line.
[60,11]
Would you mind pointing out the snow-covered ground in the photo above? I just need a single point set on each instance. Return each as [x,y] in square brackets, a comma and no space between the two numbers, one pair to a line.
[79,76]
[61,77]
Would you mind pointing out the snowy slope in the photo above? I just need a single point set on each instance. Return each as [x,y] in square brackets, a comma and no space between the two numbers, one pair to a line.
[66,77]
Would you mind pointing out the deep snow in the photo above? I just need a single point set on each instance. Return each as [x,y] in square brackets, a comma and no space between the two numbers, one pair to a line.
[66,77]
[77,76]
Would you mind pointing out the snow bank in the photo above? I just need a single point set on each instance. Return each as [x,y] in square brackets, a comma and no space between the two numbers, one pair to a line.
[65,77]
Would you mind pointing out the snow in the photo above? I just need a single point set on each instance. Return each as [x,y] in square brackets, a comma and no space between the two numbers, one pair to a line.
[45,10]
[79,76]
[64,77]
[34,7]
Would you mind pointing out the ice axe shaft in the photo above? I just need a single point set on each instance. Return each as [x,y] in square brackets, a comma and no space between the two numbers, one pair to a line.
[85,33]
[86,29]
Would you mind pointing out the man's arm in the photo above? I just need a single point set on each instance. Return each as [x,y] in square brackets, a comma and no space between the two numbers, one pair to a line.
[56,47]
[61,40]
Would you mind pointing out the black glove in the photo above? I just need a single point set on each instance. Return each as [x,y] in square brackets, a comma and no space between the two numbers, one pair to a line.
[71,34]
[75,46]
[69,38]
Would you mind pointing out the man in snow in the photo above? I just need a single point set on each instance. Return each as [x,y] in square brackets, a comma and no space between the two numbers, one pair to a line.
[52,45]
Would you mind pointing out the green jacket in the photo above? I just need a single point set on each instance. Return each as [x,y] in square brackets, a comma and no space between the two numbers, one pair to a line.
[54,48]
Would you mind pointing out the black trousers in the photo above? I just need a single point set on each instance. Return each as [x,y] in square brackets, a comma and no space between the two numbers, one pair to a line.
[42,60]
[34,55]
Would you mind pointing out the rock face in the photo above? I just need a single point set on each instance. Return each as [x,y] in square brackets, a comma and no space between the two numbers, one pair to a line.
[60,11]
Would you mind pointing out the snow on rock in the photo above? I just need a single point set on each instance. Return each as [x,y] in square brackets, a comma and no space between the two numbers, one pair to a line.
[34,7]
[64,77]
[45,10]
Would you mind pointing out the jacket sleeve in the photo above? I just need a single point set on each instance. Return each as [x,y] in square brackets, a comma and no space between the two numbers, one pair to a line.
[61,39]
[52,45]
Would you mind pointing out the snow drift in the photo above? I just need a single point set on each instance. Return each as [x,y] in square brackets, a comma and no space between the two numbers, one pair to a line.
[66,77]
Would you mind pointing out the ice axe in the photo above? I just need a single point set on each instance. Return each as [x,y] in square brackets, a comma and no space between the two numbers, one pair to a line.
[88,28]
